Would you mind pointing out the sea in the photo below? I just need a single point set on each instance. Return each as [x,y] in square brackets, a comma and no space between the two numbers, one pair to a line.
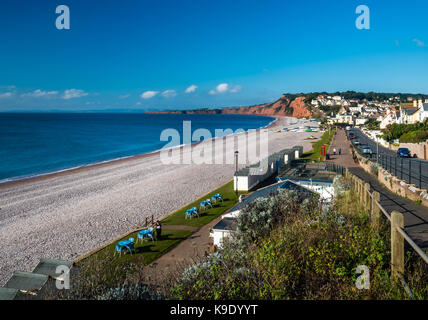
[33,144]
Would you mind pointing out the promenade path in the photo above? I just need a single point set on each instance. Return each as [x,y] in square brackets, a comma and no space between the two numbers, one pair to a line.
[415,216]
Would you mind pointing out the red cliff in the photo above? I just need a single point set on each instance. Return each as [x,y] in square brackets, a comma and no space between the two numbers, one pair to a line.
[287,105]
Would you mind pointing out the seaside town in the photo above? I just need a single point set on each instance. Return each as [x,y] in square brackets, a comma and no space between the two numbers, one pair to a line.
[205,169]
[385,112]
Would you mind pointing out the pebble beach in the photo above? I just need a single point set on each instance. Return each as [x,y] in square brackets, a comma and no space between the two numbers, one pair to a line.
[63,216]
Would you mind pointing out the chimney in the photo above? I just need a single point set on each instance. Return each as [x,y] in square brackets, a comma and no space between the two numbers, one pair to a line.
[420,103]
[415,103]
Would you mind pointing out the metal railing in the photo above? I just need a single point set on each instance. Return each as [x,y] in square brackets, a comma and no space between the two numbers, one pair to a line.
[412,171]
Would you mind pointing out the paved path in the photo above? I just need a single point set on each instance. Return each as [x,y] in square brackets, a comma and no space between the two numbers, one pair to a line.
[186,252]
[415,216]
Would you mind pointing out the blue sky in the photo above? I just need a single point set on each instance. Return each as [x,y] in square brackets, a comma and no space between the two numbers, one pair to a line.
[145,54]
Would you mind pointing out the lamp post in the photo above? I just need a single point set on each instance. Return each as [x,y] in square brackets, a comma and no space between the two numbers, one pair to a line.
[236,172]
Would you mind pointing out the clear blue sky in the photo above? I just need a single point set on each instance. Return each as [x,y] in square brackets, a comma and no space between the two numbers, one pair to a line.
[117,50]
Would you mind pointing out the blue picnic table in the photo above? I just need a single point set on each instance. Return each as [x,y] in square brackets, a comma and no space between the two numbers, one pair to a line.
[145,233]
[125,244]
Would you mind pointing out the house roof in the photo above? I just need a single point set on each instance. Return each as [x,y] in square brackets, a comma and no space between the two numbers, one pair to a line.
[425,106]
[229,224]
[273,189]
[410,111]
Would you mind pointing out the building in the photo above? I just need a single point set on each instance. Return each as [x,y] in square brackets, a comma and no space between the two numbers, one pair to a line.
[247,178]
[345,117]
[388,119]
[409,115]
[360,121]
[314,177]
[423,110]
[356,109]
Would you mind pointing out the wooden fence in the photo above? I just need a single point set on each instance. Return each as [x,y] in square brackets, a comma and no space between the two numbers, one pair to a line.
[371,201]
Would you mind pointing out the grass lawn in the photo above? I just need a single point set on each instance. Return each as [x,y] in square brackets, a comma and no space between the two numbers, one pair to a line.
[326,139]
[145,253]
[229,200]
[114,267]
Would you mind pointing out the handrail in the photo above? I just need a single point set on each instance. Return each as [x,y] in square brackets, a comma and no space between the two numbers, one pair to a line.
[418,250]
[383,210]
[421,253]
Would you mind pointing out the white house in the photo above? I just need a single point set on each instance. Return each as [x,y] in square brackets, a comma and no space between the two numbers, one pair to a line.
[346,117]
[360,121]
[388,119]
[355,109]
[423,111]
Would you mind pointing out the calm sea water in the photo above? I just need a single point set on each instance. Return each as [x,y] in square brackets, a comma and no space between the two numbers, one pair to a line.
[38,143]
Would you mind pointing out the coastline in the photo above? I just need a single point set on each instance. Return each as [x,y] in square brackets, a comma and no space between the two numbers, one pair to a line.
[65,216]
[22,180]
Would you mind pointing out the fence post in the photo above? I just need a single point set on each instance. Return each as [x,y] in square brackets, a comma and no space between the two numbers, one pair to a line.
[362,192]
[395,167]
[397,245]
[367,195]
[375,210]
[147,222]
[153,221]
[410,171]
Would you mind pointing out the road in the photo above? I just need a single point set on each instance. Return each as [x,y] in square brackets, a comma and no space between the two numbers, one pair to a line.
[413,171]
[415,216]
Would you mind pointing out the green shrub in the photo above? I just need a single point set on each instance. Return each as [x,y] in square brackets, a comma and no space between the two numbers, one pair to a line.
[414,137]
[290,250]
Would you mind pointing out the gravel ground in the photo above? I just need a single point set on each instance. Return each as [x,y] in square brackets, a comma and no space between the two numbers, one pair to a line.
[70,215]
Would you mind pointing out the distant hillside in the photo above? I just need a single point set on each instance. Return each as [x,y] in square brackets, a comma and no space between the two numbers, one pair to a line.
[298,105]
[287,105]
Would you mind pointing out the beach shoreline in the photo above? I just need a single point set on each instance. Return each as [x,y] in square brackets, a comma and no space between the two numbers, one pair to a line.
[17,181]
[68,214]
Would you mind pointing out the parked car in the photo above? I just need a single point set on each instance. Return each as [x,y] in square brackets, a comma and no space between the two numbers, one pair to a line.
[403,153]
[367,149]
[357,142]
[351,135]
[348,128]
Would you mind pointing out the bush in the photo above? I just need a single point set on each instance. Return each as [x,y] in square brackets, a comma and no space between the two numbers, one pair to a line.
[341,185]
[290,250]
[414,137]
[396,131]
[130,292]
